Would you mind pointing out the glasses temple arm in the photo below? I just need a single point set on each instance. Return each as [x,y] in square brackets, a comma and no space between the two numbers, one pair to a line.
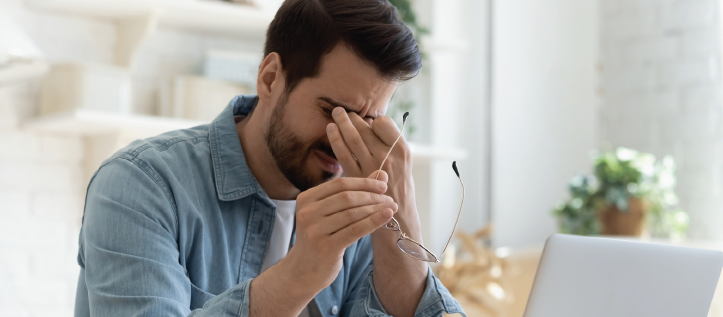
[456,221]
[390,150]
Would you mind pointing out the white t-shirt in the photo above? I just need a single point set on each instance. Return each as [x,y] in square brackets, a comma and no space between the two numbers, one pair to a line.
[281,237]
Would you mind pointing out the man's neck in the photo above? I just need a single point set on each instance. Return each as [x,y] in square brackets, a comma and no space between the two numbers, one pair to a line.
[261,162]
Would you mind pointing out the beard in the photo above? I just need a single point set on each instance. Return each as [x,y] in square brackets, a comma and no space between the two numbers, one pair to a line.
[290,152]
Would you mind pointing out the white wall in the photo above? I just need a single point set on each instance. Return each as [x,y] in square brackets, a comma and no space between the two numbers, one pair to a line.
[544,101]
[39,213]
[662,94]
[474,117]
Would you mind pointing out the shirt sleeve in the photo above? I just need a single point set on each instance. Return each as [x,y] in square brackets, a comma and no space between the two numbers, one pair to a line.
[129,255]
[435,301]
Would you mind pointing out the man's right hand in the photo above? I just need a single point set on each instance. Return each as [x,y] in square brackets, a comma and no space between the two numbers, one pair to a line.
[329,218]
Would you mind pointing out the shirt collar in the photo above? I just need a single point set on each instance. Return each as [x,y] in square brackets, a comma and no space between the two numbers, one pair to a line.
[234,179]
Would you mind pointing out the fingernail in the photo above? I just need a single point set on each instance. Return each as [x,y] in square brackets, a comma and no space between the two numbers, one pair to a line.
[386,213]
[338,111]
[388,199]
[330,127]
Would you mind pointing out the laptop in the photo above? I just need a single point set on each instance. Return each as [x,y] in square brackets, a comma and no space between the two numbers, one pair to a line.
[603,277]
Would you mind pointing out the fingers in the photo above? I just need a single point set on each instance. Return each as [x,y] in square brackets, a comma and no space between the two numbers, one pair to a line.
[383,176]
[341,151]
[342,184]
[351,135]
[385,128]
[359,229]
[365,131]
[340,220]
[347,200]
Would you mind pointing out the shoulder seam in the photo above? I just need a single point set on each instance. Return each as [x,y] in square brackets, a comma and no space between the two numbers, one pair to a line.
[148,171]
[165,145]
[132,157]
[170,142]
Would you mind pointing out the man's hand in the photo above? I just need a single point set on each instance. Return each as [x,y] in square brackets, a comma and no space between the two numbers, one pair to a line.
[329,218]
[360,146]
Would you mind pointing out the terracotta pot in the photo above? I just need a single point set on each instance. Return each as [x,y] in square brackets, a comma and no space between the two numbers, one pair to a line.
[614,222]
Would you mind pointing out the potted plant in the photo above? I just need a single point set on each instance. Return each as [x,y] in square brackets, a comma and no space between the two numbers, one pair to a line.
[630,193]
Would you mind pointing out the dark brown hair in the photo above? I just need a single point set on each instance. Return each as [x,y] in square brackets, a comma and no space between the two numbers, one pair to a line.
[303,31]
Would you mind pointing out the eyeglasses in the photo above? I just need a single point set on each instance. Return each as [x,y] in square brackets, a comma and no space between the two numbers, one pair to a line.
[406,244]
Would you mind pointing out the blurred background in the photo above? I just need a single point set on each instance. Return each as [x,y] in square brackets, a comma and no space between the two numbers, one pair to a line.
[594,117]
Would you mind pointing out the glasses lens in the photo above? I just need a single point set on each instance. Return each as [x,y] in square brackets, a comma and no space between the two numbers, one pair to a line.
[391,225]
[415,250]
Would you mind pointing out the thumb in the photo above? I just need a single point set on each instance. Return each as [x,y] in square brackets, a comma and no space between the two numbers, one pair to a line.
[382,176]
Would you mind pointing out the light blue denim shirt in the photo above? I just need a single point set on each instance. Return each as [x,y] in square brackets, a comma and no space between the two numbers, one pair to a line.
[177,225]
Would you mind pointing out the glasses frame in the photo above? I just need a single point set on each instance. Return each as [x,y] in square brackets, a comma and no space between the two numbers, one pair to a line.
[393,224]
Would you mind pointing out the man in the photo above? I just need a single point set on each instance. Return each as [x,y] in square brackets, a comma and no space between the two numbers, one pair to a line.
[248,216]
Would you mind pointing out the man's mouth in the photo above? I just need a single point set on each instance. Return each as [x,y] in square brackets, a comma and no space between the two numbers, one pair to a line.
[327,162]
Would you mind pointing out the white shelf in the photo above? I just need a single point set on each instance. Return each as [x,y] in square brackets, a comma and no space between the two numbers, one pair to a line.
[200,15]
[83,122]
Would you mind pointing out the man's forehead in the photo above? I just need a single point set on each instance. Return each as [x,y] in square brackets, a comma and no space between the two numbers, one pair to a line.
[347,81]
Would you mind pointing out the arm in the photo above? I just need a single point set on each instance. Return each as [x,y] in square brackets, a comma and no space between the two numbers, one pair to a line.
[128,252]
[401,283]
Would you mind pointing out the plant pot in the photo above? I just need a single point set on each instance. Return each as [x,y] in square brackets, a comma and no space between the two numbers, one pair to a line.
[615,222]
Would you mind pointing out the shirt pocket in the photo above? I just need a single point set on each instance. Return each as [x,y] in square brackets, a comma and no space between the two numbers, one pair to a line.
[199,297]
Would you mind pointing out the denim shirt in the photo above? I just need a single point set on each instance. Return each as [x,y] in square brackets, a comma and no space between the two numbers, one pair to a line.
[177,225]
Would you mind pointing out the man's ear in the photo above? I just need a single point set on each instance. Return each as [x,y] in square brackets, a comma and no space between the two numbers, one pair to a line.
[270,77]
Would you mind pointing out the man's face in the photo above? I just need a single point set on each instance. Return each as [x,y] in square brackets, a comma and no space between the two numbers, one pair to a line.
[296,131]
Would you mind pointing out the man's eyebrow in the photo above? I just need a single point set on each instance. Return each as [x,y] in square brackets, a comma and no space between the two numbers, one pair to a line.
[335,104]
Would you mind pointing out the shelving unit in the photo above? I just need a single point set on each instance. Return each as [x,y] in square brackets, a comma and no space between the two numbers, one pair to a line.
[83,122]
[138,19]
[198,15]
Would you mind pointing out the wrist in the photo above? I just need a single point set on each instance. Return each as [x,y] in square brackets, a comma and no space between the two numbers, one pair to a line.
[399,279]
[276,285]
[299,280]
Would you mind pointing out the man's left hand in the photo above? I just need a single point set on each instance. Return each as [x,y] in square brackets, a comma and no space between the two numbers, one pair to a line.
[360,148]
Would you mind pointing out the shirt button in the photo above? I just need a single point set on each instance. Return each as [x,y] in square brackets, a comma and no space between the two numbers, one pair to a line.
[334,310]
